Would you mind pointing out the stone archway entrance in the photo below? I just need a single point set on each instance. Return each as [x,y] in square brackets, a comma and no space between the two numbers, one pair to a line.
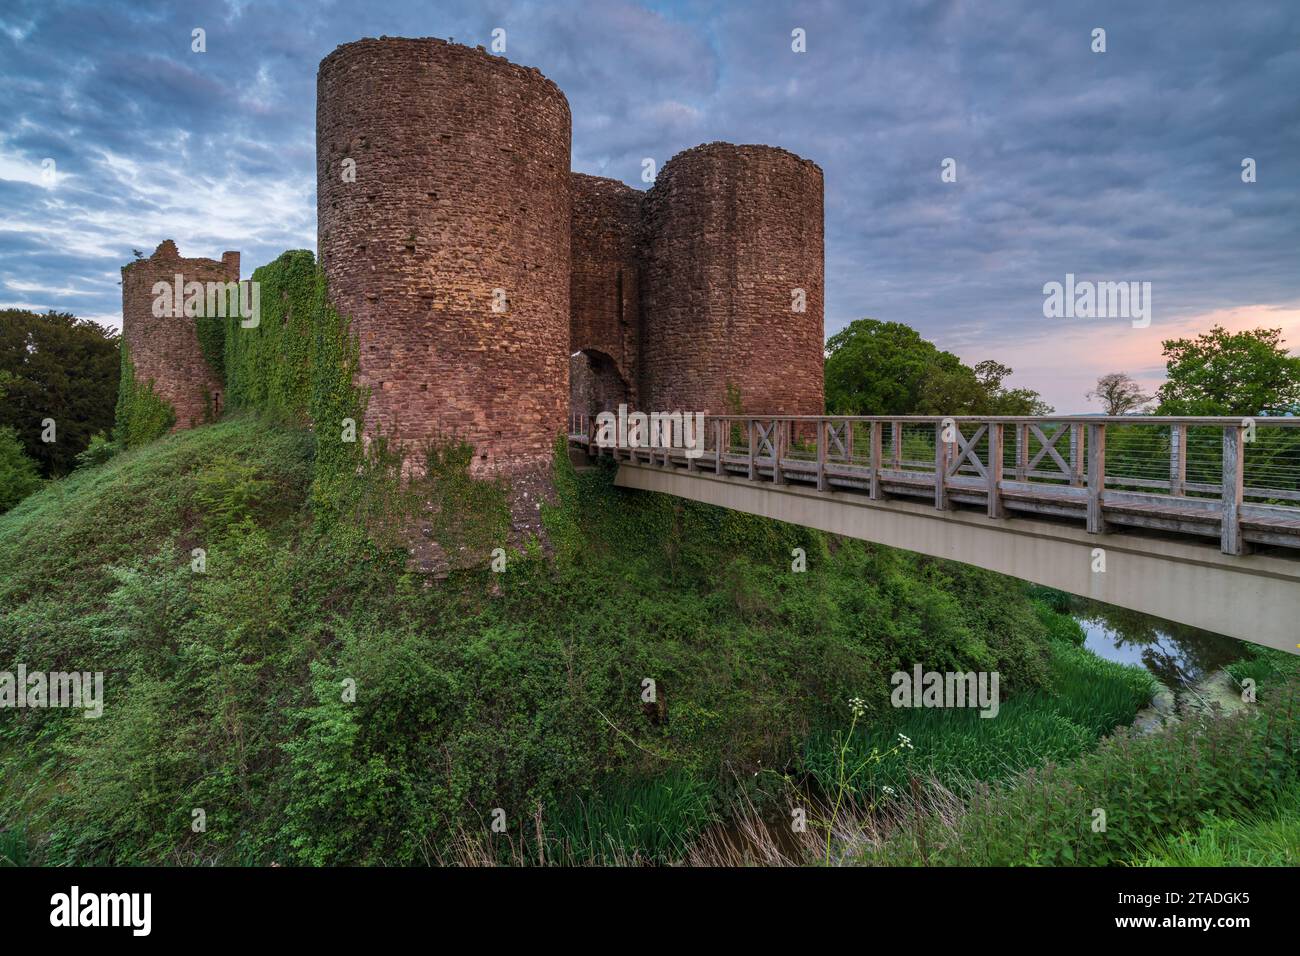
[595,384]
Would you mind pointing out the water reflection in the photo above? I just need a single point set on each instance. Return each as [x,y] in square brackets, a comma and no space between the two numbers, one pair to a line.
[1176,654]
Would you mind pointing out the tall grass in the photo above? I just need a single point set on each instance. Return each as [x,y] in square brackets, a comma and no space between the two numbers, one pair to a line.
[1086,698]
[655,821]
[13,848]
[1111,806]
[1269,836]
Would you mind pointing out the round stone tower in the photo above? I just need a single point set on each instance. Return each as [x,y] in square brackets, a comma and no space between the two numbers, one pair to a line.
[732,283]
[443,225]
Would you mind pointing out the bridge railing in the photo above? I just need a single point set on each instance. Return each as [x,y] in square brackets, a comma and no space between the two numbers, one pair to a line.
[1234,479]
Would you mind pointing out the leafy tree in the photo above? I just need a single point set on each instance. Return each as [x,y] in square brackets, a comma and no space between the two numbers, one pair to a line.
[61,367]
[1000,400]
[886,368]
[877,368]
[18,477]
[1230,373]
[1119,394]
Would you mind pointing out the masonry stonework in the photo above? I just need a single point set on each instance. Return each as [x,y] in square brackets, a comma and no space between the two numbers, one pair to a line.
[165,349]
[731,232]
[604,296]
[473,265]
[461,202]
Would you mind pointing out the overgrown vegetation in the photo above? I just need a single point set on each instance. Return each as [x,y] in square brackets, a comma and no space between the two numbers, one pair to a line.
[1130,795]
[1269,836]
[143,416]
[227,690]
[297,365]
[1083,699]
[18,474]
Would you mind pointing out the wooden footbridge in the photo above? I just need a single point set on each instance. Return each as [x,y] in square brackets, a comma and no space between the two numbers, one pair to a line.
[1195,520]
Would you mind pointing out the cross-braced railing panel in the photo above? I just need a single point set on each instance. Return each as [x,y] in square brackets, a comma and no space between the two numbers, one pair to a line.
[1238,480]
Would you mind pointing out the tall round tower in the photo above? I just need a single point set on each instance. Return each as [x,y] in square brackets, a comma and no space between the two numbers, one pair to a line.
[732,286]
[443,225]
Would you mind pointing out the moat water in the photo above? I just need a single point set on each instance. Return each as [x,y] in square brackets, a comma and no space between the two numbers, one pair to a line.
[1177,655]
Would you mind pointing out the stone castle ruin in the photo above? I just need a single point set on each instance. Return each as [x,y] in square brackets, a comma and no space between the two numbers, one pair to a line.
[165,350]
[493,291]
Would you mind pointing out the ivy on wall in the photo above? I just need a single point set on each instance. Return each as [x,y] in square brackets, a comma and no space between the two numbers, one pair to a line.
[142,414]
[298,365]
[212,342]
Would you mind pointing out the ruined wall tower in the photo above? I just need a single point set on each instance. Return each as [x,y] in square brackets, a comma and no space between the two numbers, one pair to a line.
[730,233]
[165,349]
[460,199]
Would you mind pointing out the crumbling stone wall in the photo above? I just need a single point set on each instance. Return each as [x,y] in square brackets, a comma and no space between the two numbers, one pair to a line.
[730,233]
[604,284]
[165,349]
[461,189]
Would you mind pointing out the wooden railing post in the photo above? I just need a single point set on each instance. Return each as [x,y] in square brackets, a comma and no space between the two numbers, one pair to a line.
[753,471]
[877,459]
[822,426]
[1022,452]
[1177,458]
[940,468]
[717,446]
[996,436]
[896,442]
[778,439]
[848,441]
[1233,486]
[1096,478]
[1076,455]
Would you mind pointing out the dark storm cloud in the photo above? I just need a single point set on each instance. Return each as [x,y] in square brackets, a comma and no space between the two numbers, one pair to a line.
[1123,165]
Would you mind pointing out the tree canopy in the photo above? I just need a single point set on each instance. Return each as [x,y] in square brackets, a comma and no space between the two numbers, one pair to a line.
[1230,373]
[887,368]
[61,367]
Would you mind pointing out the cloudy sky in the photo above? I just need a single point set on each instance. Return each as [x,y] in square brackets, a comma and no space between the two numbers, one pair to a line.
[1117,166]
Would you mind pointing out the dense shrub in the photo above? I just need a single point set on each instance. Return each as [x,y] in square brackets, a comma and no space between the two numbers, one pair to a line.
[101,449]
[18,474]
[1269,836]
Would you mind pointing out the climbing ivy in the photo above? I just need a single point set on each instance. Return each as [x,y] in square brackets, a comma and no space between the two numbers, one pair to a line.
[142,414]
[298,365]
[211,331]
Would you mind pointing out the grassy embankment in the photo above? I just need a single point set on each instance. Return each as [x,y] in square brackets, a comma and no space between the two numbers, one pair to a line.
[227,689]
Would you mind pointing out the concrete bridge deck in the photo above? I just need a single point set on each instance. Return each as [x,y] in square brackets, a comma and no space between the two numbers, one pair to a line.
[1027,508]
